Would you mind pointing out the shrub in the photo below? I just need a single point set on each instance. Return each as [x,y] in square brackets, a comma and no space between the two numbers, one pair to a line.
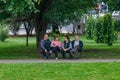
[3,32]
[117,25]
[105,30]
[90,26]
[99,30]
[108,30]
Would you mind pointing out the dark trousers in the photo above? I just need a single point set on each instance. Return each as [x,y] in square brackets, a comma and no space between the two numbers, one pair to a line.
[64,53]
[55,50]
[76,50]
[46,55]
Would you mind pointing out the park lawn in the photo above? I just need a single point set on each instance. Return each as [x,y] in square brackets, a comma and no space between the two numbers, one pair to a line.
[60,71]
[15,48]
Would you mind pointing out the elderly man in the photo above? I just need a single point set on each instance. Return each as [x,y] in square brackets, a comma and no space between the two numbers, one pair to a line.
[77,46]
[45,46]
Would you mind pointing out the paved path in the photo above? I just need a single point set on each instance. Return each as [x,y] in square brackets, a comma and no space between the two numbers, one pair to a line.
[58,61]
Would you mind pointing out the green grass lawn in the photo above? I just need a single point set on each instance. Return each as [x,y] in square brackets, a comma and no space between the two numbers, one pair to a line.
[14,48]
[60,71]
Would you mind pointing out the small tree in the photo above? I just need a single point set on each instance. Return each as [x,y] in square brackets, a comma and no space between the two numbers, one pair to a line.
[109,33]
[90,26]
[105,31]
[3,32]
[99,30]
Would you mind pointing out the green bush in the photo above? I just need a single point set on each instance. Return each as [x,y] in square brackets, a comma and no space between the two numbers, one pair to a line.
[3,32]
[57,35]
[99,30]
[117,25]
[90,26]
[108,30]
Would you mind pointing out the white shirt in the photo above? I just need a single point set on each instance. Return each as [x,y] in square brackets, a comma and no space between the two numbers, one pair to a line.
[76,43]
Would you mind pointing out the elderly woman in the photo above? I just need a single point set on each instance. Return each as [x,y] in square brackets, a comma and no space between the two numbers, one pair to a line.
[67,47]
[55,47]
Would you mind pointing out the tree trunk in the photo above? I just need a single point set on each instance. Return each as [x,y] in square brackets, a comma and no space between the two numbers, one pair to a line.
[31,31]
[27,36]
[40,22]
[40,28]
[27,33]
[40,34]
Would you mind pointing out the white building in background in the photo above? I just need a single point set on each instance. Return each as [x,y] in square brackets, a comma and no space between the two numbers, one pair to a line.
[66,29]
[79,26]
[76,27]
[116,15]
[21,31]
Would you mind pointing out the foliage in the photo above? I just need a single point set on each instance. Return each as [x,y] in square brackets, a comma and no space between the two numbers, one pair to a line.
[99,30]
[65,11]
[44,12]
[53,34]
[3,32]
[90,26]
[113,5]
[109,35]
[104,31]
[117,25]
[59,10]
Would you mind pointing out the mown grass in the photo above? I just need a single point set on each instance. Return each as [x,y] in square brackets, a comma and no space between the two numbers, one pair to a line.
[15,48]
[60,71]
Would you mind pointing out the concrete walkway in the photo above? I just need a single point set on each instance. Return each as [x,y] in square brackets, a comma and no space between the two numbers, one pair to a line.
[57,61]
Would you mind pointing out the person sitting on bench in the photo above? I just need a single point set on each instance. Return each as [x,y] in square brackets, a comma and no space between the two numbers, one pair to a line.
[76,46]
[55,47]
[67,47]
[45,46]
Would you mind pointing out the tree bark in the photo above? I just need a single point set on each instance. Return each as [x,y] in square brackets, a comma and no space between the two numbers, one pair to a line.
[41,22]
[27,33]
[28,27]
[27,36]
[40,31]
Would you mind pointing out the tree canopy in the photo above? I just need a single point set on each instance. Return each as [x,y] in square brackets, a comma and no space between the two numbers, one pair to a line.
[42,12]
[59,10]
[114,5]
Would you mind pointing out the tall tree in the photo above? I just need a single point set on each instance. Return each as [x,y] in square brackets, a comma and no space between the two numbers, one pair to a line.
[42,12]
